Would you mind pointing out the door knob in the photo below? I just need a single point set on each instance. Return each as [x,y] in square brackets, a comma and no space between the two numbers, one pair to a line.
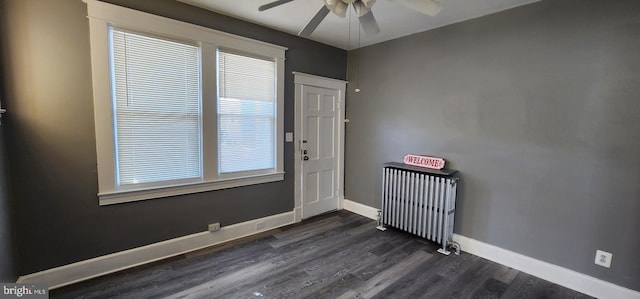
[306,158]
[304,152]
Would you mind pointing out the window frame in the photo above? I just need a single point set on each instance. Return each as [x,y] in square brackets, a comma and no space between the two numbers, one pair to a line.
[117,119]
[225,175]
[102,16]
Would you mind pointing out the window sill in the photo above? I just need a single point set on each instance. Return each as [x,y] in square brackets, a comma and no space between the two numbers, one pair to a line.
[117,197]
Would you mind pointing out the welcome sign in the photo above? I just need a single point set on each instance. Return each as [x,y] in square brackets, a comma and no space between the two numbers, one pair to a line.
[424,161]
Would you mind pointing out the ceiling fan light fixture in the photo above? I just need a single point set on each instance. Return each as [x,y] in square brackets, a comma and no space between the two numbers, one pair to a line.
[363,11]
[338,7]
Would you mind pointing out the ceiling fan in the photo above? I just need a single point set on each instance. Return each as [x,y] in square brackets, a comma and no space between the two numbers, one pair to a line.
[362,9]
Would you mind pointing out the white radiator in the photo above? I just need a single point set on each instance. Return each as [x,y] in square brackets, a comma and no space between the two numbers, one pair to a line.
[421,202]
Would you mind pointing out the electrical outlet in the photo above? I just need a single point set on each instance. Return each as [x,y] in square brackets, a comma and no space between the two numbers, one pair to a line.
[260,225]
[603,258]
[214,227]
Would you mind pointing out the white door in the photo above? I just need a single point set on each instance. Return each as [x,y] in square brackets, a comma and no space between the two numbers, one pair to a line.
[319,131]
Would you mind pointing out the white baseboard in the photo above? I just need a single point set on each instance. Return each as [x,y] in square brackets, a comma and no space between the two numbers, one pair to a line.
[562,276]
[568,278]
[360,209]
[83,270]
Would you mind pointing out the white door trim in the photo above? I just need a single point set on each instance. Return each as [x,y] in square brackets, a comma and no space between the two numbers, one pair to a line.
[301,79]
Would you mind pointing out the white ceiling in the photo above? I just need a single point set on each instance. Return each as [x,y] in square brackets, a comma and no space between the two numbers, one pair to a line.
[394,19]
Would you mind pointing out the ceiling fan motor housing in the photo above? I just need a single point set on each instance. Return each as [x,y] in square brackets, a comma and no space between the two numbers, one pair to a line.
[363,12]
[339,7]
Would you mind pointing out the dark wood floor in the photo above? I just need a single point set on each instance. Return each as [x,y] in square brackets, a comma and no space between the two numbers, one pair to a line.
[339,255]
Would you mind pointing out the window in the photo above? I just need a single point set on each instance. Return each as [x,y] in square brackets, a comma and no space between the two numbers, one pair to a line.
[156,95]
[181,108]
[246,113]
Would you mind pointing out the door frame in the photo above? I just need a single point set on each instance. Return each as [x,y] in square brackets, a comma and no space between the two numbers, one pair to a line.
[300,80]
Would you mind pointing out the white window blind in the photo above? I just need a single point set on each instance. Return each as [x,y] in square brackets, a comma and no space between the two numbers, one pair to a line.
[246,113]
[157,109]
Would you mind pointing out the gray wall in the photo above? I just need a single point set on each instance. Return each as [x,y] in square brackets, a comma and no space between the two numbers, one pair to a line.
[7,273]
[51,142]
[537,107]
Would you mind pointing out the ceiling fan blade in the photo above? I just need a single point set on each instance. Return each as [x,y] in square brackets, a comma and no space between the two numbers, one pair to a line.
[427,7]
[315,21]
[361,8]
[273,4]
[369,24]
[368,3]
